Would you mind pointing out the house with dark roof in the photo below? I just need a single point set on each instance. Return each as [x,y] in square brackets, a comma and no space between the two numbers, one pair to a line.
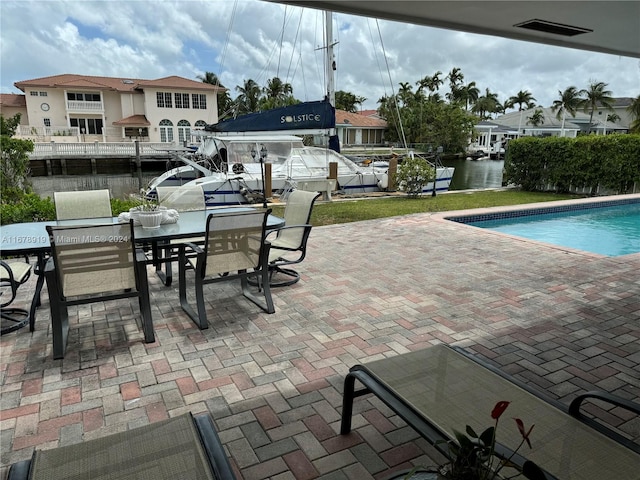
[71,107]
[496,132]
[552,125]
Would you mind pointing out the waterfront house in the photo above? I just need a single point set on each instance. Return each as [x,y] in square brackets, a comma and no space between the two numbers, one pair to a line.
[82,108]
[358,129]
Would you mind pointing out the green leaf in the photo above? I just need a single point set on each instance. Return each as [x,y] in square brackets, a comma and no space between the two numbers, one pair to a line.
[471,432]
[487,436]
[531,471]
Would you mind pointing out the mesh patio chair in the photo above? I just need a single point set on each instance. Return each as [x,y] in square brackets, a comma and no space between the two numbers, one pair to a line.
[82,204]
[186,447]
[183,199]
[289,247]
[13,274]
[94,263]
[71,206]
[235,248]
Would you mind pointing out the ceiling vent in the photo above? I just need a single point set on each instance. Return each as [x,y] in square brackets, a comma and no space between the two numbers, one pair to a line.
[554,28]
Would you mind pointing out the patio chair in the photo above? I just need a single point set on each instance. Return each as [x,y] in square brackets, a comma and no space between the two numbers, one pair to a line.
[94,263]
[185,447]
[82,204]
[235,248]
[290,245]
[183,199]
[13,274]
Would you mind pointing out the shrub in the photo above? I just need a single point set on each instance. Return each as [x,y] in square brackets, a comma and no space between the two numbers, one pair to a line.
[413,174]
[30,208]
[569,164]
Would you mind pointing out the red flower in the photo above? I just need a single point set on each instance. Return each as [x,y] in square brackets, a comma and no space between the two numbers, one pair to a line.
[499,409]
[525,435]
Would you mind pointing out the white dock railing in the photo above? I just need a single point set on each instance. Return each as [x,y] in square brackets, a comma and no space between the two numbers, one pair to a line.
[99,148]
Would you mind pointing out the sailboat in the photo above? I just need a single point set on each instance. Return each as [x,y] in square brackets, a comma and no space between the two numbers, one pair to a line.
[230,160]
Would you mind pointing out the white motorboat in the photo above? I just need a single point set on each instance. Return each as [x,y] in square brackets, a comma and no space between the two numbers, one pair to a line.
[229,168]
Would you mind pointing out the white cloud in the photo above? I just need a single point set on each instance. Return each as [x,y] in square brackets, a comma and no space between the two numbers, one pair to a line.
[253,39]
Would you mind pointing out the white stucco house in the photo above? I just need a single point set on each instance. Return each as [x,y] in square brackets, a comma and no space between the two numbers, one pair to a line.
[82,108]
[491,135]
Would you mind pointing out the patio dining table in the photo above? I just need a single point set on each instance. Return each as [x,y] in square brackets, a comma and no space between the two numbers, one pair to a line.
[31,238]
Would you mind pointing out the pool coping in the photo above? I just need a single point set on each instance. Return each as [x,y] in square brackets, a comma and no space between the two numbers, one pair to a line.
[461,217]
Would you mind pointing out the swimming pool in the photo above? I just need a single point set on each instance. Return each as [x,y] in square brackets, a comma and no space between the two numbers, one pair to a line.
[607,228]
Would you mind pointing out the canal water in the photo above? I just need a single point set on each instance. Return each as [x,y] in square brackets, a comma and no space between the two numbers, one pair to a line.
[475,174]
[468,175]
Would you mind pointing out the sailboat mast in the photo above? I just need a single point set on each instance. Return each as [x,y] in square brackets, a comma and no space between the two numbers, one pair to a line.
[331,61]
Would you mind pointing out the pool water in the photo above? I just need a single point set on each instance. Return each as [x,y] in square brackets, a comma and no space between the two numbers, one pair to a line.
[611,231]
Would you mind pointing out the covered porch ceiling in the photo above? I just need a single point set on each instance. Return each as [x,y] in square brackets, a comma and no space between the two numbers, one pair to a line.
[608,26]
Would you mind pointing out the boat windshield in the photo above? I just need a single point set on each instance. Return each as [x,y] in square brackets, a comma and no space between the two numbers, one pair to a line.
[277,151]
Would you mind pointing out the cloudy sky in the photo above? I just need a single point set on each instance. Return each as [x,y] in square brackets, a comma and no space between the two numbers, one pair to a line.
[253,39]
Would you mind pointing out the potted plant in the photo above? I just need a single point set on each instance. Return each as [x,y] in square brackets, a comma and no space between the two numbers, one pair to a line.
[148,212]
[473,456]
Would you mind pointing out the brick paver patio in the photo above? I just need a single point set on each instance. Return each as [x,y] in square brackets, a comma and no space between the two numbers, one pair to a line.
[563,321]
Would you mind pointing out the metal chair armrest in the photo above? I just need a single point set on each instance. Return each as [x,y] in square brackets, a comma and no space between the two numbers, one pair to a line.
[287,227]
[574,407]
[196,248]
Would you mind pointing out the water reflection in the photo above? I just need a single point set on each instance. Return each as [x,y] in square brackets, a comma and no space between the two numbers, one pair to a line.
[475,174]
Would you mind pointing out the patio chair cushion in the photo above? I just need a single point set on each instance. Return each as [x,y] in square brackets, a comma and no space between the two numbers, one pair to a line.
[440,389]
[82,204]
[183,447]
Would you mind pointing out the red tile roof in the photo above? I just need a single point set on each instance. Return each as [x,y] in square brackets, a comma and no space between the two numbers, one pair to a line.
[357,120]
[135,120]
[13,100]
[120,84]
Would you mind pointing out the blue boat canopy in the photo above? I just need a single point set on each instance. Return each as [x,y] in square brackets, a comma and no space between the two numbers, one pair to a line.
[302,116]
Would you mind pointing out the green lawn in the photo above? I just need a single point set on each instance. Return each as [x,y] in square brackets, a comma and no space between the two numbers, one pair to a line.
[345,211]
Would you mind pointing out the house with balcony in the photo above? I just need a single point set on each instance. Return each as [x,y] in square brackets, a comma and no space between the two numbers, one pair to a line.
[82,108]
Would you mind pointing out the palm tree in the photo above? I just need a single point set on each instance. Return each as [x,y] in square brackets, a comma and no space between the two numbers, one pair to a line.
[613,117]
[468,94]
[224,99]
[346,101]
[455,77]
[249,97]
[405,92]
[521,98]
[596,95]
[276,94]
[486,105]
[569,102]
[210,78]
[431,83]
[634,111]
[360,101]
[537,118]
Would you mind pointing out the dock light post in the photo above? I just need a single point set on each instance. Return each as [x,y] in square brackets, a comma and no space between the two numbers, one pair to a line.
[263,156]
[439,150]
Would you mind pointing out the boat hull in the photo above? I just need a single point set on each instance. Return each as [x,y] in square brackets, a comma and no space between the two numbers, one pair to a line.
[230,171]
[219,190]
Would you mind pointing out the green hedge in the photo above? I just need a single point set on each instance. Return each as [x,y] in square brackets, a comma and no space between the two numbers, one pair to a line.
[28,208]
[32,208]
[570,164]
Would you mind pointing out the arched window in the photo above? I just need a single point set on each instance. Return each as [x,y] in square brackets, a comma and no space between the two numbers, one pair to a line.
[166,131]
[200,124]
[184,131]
